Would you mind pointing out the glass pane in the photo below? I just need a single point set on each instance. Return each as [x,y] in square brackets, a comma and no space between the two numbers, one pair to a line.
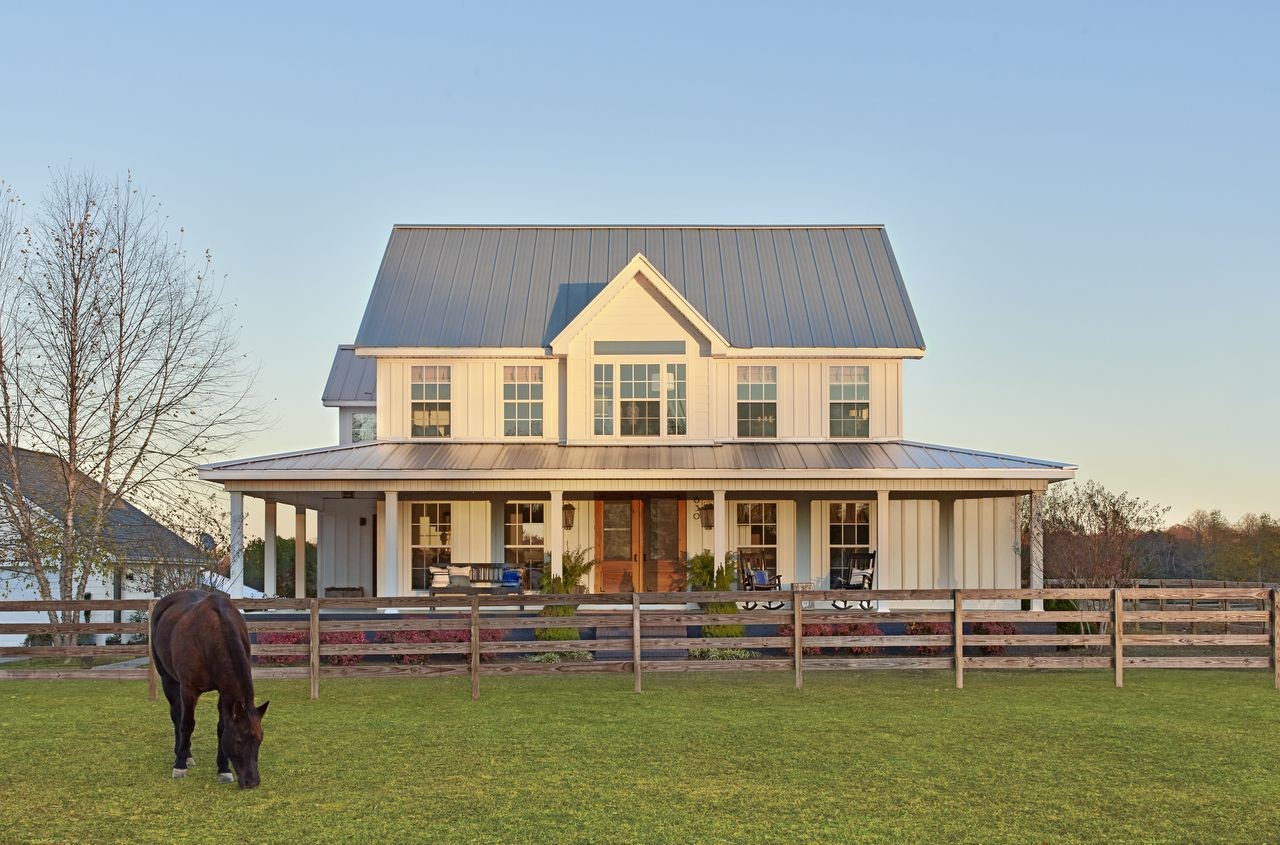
[662,534]
[617,530]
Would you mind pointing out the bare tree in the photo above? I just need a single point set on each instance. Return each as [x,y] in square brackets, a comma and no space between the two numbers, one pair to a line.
[118,356]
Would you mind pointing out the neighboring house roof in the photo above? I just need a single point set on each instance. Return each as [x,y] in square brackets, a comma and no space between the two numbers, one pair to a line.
[144,539]
[352,380]
[759,286]
[764,459]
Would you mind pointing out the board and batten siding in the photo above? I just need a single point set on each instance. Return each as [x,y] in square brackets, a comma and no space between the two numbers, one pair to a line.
[345,547]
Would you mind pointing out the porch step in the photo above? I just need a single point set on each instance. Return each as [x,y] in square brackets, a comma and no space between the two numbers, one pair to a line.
[649,633]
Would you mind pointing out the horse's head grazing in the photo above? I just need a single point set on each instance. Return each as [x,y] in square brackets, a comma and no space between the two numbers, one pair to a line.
[240,741]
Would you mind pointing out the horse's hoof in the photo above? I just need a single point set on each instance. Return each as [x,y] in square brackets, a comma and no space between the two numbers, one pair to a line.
[191,761]
[179,773]
[226,777]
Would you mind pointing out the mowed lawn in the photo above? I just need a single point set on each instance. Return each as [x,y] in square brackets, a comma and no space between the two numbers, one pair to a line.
[868,757]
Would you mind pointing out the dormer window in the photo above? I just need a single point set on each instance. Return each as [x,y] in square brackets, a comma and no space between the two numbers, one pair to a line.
[850,401]
[646,400]
[757,401]
[430,398]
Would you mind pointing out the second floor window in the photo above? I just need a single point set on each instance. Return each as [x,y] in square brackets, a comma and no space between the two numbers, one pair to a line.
[850,402]
[639,392]
[757,401]
[603,399]
[430,402]
[522,401]
[364,426]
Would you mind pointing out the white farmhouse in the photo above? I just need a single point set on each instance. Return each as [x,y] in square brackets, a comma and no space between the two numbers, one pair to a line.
[514,392]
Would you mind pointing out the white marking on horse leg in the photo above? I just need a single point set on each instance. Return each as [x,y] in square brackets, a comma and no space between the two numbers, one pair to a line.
[226,777]
[191,761]
[179,773]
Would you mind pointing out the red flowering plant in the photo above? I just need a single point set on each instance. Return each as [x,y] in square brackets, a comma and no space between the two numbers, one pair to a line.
[304,638]
[919,629]
[837,629]
[996,629]
[450,635]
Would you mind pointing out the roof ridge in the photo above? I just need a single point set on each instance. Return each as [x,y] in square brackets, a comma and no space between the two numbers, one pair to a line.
[787,226]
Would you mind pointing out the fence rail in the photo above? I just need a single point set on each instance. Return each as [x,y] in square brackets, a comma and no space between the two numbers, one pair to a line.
[637,633]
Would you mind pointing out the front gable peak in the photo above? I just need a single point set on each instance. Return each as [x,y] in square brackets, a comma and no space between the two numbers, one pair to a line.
[639,271]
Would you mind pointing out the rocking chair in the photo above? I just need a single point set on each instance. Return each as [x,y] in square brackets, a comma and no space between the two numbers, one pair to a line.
[755,579]
[861,576]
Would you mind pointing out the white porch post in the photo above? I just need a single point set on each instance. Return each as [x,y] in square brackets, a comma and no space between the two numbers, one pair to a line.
[719,531]
[269,548]
[554,522]
[236,554]
[299,552]
[1037,547]
[882,542]
[391,545]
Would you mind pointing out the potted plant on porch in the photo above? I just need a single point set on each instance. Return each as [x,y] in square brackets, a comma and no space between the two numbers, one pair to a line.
[574,567]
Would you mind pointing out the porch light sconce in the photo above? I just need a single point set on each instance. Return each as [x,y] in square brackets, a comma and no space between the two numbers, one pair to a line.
[569,511]
[706,514]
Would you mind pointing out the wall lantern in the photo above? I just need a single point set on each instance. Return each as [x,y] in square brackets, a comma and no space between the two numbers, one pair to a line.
[706,514]
[569,511]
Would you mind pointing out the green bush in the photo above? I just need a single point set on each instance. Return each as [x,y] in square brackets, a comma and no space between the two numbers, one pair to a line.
[703,575]
[722,653]
[1067,627]
[574,565]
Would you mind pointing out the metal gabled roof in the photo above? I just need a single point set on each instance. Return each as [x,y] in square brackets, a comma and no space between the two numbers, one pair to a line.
[519,286]
[353,380]
[384,459]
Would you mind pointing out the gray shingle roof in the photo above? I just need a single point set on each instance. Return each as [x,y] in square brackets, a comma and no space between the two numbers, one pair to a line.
[730,459]
[352,380]
[760,286]
[129,532]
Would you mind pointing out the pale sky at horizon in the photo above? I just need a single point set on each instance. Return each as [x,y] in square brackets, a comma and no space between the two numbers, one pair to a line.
[1084,200]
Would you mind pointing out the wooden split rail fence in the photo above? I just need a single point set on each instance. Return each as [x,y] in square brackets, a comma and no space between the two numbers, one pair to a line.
[474,635]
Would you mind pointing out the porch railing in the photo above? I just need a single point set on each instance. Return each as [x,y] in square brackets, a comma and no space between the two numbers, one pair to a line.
[637,633]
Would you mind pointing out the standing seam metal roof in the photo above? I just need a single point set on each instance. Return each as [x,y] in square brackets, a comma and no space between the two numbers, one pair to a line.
[519,286]
[352,379]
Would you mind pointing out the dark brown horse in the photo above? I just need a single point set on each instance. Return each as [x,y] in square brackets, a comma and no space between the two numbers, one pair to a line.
[201,644]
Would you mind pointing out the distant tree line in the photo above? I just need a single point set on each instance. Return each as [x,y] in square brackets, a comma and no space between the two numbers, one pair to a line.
[1097,537]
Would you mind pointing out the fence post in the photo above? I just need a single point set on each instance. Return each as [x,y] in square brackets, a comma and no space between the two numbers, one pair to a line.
[475,648]
[797,636]
[957,632]
[315,649]
[635,640]
[1274,607]
[1117,635]
[153,674]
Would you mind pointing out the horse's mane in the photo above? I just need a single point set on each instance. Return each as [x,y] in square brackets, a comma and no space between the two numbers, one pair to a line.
[237,653]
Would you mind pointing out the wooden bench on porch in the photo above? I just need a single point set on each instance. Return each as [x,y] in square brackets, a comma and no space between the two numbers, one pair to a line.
[475,579]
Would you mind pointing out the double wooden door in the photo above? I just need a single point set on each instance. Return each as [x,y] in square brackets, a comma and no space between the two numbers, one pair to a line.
[641,542]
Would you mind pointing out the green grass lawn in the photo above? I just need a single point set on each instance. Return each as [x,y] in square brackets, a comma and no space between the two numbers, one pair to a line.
[871,757]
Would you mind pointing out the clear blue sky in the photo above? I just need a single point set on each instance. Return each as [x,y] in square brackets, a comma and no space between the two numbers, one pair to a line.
[1084,198]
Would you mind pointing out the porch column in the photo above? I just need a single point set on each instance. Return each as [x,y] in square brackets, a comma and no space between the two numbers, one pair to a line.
[882,542]
[554,524]
[236,552]
[391,545]
[300,552]
[948,563]
[269,548]
[1037,547]
[719,531]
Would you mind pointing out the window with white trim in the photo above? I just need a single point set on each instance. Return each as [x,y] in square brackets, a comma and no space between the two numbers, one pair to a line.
[677,401]
[639,395]
[756,535]
[850,532]
[430,398]
[364,426]
[522,401]
[430,525]
[850,401]
[757,401]
[603,399]
[524,533]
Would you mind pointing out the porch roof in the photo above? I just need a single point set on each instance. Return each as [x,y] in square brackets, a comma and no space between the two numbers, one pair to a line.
[403,459]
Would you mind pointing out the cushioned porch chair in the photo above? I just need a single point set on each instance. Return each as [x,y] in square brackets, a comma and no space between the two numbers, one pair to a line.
[861,576]
[755,579]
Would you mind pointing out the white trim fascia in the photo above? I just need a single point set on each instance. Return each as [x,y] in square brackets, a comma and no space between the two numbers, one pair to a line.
[832,353]
[349,403]
[637,266]
[214,474]
[454,351]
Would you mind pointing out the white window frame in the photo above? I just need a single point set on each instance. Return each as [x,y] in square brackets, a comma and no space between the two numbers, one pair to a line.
[850,395]
[762,546]
[354,429]
[508,546]
[447,382]
[869,508]
[515,402]
[750,383]
[445,544]
[667,395]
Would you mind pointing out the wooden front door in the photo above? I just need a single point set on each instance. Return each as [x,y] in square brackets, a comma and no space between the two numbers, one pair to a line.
[641,543]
